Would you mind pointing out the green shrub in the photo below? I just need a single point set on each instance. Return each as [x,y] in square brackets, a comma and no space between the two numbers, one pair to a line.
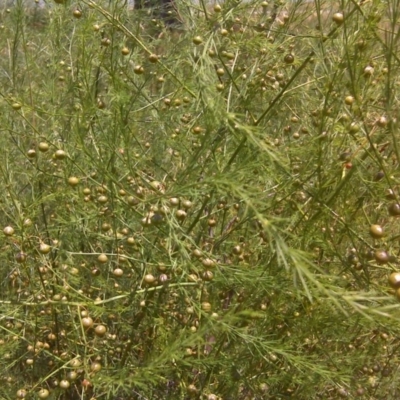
[207,211]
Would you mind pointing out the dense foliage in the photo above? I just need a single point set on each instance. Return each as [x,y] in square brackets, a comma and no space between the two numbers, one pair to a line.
[200,201]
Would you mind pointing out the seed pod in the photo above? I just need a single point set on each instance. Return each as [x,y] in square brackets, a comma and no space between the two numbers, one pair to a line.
[149,279]
[100,330]
[64,384]
[8,231]
[125,51]
[43,394]
[21,393]
[381,256]
[197,40]
[394,209]
[87,322]
[44,248]
[394,280]
[338,18]
[102,258]
[376,231]
[153,58]
[118,272]
[73,181]
[95,367]
[60,155]
[207,276]
[289,58]
[20,257]
[208,263]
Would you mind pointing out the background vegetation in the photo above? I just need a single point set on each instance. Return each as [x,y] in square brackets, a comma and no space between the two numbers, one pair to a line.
[208,210]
